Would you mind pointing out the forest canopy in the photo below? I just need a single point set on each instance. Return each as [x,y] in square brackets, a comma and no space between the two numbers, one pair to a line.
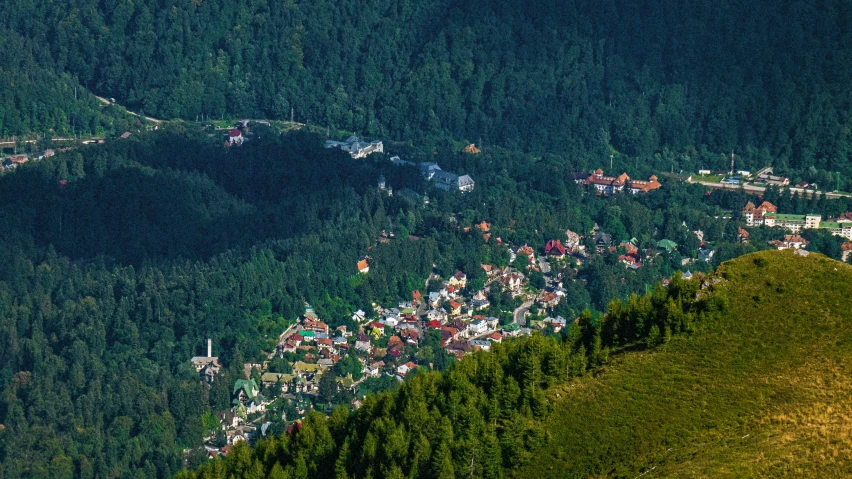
[684,79]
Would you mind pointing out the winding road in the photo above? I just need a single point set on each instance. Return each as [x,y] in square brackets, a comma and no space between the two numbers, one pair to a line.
[520,314]
[107,102]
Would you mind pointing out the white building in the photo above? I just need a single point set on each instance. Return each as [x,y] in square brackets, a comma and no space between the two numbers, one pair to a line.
[357,148]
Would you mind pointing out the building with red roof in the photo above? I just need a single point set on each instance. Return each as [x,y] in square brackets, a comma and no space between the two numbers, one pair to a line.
[554,248]
[235,137]
[609,185]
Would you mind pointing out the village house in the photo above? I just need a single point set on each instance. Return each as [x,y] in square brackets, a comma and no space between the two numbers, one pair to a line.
[471,149]
[705,254]
[490,270]
[455,308]
[19,159]
[477,327]
[844,218]
[555,249]
[548,299]
[439,315]
[359,316]
[363,266]
[246,393]
[363,343]
[742,235]
[480,301]
[482,344]
[512,282]
[434,299]
[790,242]
[846,248]
[235,137]
[458,280]
[316,326]
[602,241]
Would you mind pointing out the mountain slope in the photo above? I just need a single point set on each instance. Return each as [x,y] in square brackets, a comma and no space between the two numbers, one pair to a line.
[37,98]
[584,76]
[763,392]
[745,394]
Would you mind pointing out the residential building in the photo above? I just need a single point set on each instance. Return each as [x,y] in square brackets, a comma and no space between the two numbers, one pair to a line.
[357,148]
[471,149]
[450,181]
[790,242]
[363,266]
[555,248]
[478,326]
[609,185]
[773,180]
[247,393]
[846,248]
[754,215]
[208,366]
[793,223]
[602,242]
[363,343]
[458,280]
[838,229]
[235,137]
[705,254]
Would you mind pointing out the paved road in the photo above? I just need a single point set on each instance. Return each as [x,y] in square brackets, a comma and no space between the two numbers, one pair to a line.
[759,189]
[544,265]
[519,315]
[287,332]
[107,102]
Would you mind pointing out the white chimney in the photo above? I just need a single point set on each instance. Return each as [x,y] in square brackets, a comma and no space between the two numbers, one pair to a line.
[209,348]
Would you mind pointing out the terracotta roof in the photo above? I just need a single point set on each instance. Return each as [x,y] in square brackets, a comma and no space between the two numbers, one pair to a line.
[768,207]
[363,265]
[472,149]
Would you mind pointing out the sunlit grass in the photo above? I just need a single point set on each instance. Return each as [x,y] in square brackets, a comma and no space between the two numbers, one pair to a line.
[763,392]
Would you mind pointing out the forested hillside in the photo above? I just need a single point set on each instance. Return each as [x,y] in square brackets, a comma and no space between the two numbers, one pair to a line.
[585,77]
[37,97]
[747,380]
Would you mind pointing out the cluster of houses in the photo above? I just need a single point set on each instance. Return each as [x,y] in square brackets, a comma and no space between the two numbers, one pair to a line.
[609,185]
[767,215]
[13,161]
[356,147]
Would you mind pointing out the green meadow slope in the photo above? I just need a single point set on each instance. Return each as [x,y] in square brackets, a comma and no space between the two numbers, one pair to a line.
[763,391]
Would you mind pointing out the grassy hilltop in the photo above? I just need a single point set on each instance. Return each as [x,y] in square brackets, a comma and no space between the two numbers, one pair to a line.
[762,392]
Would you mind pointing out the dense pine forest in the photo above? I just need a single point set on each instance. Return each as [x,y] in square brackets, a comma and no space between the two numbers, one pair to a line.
[118,261]
[632,77]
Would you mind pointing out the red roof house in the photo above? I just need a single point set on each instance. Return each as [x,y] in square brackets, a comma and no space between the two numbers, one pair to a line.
[555,248]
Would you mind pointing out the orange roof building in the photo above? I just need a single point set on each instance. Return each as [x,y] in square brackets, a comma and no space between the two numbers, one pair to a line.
[471,149]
